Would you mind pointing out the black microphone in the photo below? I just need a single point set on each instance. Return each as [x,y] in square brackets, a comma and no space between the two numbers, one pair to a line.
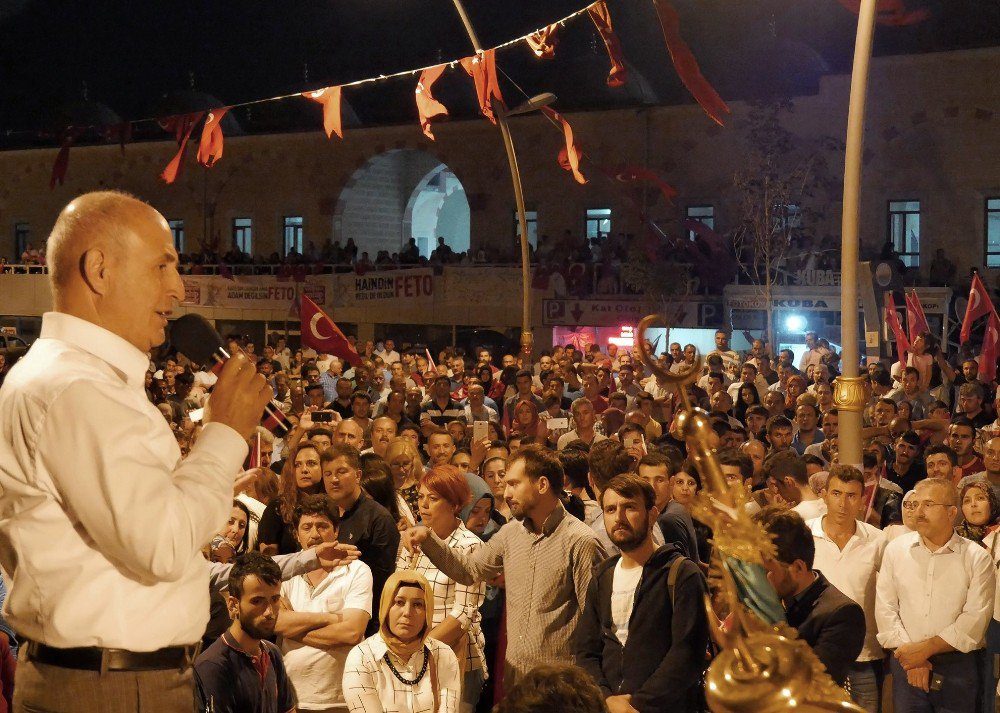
[195,338]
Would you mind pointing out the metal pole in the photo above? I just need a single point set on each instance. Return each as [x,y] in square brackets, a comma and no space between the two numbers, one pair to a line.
[515,175]
[849,394]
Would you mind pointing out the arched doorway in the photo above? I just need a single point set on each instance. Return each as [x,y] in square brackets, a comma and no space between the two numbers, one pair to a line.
[400,194]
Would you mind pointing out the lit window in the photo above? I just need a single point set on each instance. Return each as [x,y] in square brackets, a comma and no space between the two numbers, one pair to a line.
[904,230]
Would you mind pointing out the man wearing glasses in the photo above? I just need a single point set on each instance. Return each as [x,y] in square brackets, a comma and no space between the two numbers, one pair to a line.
[934,600]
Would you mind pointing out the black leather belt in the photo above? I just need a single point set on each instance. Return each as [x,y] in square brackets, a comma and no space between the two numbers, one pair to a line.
[92,658]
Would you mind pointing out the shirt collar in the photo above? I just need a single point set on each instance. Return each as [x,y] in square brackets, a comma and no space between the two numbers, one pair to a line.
[130,364]
[952,545]
[551,522]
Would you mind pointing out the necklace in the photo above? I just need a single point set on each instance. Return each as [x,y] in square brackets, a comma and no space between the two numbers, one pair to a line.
[405,681]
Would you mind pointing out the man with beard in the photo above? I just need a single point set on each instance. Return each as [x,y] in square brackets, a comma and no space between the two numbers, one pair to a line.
[546,555]
[650,600]
[242,672]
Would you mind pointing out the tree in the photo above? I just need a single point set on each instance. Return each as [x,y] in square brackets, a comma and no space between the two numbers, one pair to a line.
[782,188]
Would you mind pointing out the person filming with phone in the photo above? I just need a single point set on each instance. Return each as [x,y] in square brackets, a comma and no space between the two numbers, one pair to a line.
[102,520]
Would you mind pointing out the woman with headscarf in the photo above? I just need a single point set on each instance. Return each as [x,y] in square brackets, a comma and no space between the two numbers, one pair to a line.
[525,421]
[444,491]
[980,510]
[401,664]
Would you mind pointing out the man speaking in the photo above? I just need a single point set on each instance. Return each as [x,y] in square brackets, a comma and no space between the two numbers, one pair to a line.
[101,521]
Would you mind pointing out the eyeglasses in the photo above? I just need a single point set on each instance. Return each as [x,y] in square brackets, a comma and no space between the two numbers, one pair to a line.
[926,504]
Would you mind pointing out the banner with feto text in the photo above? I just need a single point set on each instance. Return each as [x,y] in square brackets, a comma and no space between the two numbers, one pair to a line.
[259,292]
[346,290]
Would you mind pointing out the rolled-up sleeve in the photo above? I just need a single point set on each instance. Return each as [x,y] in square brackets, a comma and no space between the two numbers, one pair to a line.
[148,517]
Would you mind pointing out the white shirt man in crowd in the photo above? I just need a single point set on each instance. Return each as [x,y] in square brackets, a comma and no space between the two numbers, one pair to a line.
[849,553]
[99,547]
[934,600]
[314,657]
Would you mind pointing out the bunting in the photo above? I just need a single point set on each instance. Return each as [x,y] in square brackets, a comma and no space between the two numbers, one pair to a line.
[602,20]
[483,70]
[639,174]
[329,97]
[686,65]
[61,164]
[543,43]
[429,108]
[570,154]
[181,126]
[210,146]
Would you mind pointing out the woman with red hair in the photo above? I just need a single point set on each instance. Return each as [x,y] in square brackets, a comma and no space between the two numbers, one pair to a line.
[444,491]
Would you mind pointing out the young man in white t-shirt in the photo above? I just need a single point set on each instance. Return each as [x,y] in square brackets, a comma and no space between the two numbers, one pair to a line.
[651,600]
[331,608]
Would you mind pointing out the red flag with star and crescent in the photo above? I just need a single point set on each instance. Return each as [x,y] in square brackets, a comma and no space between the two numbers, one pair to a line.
[322,334]
[892,319]
[916,320]
[979,305]
[988,356]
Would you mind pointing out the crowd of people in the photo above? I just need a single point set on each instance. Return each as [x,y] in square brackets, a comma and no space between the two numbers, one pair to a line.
[472,533]
[521,513]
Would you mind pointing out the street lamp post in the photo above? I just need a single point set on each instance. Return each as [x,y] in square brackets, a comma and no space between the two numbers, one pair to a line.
[849,391]
[515,175]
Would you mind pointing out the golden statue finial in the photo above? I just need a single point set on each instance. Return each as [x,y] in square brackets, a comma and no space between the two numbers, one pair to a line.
[763,666]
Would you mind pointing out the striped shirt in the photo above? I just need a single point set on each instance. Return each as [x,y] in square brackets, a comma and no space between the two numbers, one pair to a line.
[546,575]
[430,410]
[452,598]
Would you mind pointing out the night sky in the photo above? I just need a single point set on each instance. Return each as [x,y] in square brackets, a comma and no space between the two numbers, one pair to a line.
[140,59]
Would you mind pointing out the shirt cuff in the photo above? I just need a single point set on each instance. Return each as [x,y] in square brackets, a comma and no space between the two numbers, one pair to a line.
[225,443]
[959,640]
[892,639]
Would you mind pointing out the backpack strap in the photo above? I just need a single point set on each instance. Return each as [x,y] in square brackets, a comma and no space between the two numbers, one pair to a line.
[672,575]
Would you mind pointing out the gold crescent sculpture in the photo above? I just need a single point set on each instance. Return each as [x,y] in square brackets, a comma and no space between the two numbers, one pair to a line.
[762,666]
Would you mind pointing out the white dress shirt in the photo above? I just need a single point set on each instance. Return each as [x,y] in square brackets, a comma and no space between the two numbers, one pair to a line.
[101,522]
[317,674]
[947,593]
[853,571]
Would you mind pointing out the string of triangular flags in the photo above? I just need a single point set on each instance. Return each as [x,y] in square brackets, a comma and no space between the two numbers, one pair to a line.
[481,68]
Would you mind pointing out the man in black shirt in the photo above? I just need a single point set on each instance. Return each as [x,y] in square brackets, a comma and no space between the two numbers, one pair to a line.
[242,672]
[907,469]
[363,522]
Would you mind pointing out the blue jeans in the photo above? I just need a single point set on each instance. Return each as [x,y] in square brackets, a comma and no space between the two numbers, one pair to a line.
[865,682]
[960,690]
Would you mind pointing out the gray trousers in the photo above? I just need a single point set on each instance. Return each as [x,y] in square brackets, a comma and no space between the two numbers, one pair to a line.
[39,688]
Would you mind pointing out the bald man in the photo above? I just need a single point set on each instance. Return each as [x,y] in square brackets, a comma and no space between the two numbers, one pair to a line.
[102,521]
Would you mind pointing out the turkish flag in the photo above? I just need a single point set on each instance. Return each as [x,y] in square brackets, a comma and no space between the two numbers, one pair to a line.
[543,43]
[892,319]
[483,70]
[979,305]
[570,154]
[320,333]
[329,97]
[686,64]
[916,320]
[428,107]
[181,126]
[988,357]
[602,20]
[210,146]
